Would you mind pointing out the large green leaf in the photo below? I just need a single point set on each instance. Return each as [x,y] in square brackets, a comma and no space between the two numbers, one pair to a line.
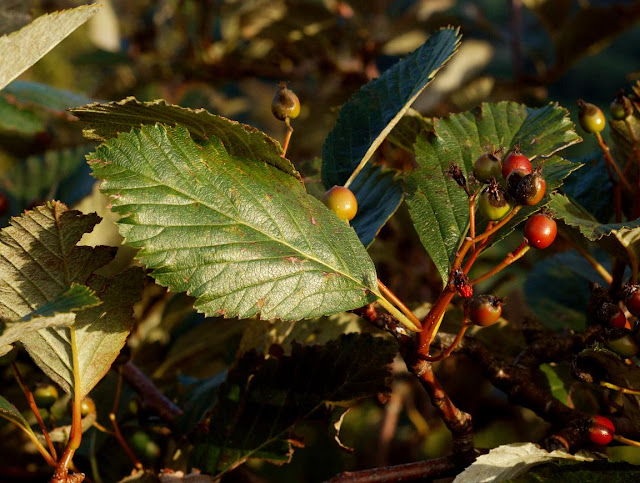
[9,412]
[368,117]
[439,207]
[21,49]
[263,399]
[14,118]
[39,262]
[240,235]
[107,120]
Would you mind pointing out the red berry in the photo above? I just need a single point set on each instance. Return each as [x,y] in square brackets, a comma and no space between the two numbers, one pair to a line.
[601,431]
[4,204]
[612,315]
[485,310]
[515,160]
[540,230]
[633,301]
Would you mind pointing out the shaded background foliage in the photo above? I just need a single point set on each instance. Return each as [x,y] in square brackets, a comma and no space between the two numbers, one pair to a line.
[227,57]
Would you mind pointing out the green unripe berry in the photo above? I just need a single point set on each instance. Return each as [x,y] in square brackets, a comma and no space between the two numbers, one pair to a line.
[591,117]
[45,395]
[285,103]
[621,107]
[486,167]
[493,203]
[622,342]
[342,202]
[87,407]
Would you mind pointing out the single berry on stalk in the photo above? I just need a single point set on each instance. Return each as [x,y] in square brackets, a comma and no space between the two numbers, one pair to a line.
[632,300]
[621,107]
[486,167]
[484,310]
[285,103]
[515,160]
[622,343]
[342,202]
[601,431]
[540,230]
[591,117]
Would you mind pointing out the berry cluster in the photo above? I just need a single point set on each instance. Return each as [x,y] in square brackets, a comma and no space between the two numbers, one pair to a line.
[620,335]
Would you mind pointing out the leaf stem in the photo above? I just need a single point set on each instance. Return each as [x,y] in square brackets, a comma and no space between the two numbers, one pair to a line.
[75,436]
[508,260]
[123,442]
[626,441]
[403,319]
[603,272]
[447,352]
[34,408]
[398,303]
[624,390]
[287,138]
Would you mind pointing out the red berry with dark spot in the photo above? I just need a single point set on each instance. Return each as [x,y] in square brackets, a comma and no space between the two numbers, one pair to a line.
[611,315]
[601,431]
[540,230]
[515,160]
[485,310]
[633,301]
[531,189]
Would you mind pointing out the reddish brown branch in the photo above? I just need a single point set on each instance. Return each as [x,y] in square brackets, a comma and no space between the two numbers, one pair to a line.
[419,471]
[151,395]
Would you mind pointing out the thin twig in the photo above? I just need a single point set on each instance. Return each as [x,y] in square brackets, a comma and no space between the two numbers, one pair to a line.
[611,162]
[287,138]
[508,260]
[398,303]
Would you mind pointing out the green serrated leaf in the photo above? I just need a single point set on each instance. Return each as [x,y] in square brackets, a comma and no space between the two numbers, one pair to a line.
[574,215]
[263,399]
[366,120]
[20,50]
[406,132]
[106,121]
[370,114]
[439,207]
[238,234]
[40,260]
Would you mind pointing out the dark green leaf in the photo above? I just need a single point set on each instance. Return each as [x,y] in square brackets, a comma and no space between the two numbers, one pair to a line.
[239,140]
[591,188]
[238,234]
[406,132]
[367,118]
[439,207]
[379,195]
[263,399]
[556,384]
[9,412]
[608,367]
[14,118]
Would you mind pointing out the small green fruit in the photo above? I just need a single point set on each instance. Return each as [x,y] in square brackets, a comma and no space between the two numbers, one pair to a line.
[342,202]
[591,117]
[285,103]
[493,203]
[45,395]
[486,167]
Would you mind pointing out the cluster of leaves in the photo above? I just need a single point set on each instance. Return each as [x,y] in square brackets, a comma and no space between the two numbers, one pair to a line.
[216,211]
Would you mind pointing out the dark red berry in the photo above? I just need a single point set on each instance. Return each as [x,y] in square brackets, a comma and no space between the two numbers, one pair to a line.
[611,315]
[515,160]
[484,310]
[486,167]
[601,431]
[540,230]
[633,300]
[4,204]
